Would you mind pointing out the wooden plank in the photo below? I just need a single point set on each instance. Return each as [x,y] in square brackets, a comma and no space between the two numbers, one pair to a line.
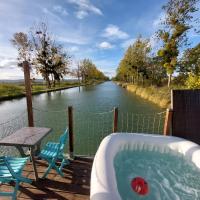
[186,111]
[115,122]
[168,122]
[71,133]
[27,81]
[26,137]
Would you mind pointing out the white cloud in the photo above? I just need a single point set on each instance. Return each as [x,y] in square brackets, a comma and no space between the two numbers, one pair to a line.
[8,68]
[12,74]
[51,14]
[7,51]
[127,43]
[8,63]
[73,39]
[114,32]
[73,49]
[84,8]
[105,45]
[60,10]
[81,14]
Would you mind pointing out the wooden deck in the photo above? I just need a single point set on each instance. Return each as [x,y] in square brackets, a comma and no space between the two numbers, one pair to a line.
[75,185]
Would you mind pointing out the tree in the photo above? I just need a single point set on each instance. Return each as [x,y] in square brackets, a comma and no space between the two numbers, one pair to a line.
[42,47]
[88,71]
[21,42]
[193,81]
[50,60]
[190,62]
[176,24]
[156,72]
[76,72]
[60,62]
[135,61]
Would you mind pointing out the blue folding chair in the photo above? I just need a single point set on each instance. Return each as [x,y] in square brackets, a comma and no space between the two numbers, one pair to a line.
[10,170]
[53,152]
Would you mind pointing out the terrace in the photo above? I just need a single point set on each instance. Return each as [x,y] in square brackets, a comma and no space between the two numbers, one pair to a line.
[74,185]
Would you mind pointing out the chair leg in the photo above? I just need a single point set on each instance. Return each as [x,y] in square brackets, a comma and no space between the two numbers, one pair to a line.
[48,169]
[58,170]
[52,165]
[14,196]
[63,163]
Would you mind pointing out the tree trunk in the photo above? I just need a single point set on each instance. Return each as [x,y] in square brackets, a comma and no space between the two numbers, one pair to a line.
[48,82]
[169,80]
[53,80]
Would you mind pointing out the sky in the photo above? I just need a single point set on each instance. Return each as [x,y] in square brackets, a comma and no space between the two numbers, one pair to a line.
[100,30]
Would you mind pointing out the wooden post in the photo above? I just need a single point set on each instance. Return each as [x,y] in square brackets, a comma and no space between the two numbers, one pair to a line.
[71,134]
[168,122]
[28,93]
[115,120]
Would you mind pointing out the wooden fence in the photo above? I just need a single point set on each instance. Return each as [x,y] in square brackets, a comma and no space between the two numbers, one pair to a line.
[185,121]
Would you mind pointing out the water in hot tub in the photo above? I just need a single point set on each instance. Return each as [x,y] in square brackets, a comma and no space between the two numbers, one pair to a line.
[169,176]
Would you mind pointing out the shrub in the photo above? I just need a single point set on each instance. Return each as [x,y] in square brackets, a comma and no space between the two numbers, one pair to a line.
[193,82]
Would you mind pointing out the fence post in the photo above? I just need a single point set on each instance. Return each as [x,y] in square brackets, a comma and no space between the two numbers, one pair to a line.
[27,82]
[71,133]
[115,120]
[168,122]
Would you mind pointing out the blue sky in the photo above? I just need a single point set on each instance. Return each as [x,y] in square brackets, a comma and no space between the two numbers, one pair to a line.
[97,29]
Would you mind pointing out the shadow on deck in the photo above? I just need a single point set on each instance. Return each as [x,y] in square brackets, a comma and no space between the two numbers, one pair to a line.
[74,185]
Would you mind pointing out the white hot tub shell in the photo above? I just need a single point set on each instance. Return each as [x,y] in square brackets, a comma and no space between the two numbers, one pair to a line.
[103,180]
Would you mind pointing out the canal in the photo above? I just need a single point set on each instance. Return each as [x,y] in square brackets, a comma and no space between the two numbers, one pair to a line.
[93,115]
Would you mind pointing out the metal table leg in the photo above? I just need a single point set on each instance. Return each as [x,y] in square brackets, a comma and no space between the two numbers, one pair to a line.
[32,154]
[21,151]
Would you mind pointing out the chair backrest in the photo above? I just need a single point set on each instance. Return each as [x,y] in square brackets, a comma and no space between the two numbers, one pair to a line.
[63,139]
[3,166]
[5,170]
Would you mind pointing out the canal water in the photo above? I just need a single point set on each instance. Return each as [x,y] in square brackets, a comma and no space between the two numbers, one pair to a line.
[93,114]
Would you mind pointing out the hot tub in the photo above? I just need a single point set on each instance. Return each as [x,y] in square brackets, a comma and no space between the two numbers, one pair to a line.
[170,166]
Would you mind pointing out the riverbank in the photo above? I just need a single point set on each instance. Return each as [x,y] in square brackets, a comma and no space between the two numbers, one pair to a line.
[9,91]
[161,96]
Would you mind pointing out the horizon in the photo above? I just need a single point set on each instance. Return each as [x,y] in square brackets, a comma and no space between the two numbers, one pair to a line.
[87,29]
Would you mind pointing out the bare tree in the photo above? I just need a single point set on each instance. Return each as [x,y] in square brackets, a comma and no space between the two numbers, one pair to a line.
[42,43]
[24,46]
[51,61]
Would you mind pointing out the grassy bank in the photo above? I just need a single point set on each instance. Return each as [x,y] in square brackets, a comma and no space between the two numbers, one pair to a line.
[16,90]
[157,95]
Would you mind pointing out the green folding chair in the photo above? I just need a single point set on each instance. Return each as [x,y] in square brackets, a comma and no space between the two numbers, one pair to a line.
[10,170]
[53,152]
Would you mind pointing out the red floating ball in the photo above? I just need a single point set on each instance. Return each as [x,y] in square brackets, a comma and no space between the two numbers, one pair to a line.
[140,186]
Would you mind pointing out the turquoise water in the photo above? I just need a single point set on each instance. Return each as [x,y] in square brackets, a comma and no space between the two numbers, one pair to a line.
[169,176]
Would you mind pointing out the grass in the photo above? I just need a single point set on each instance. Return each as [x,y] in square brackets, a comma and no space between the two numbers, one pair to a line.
[158,95]
[9,89]
[14,90]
